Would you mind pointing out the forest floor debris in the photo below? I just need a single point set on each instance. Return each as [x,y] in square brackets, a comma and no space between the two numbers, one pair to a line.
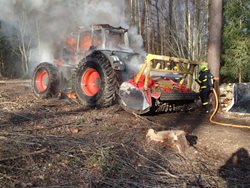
[61,143]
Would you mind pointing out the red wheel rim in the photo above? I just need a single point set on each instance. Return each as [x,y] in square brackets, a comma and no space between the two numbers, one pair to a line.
[42,80]
[90,82]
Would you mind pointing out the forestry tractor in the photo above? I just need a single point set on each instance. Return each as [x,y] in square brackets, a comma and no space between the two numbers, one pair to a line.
[98,67]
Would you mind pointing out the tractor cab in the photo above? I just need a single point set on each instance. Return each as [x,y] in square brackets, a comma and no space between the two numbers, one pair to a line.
[82,43]
[105,36]
[101,37]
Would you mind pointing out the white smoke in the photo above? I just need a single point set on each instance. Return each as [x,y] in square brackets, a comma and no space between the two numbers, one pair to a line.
[43,23]
[136,41]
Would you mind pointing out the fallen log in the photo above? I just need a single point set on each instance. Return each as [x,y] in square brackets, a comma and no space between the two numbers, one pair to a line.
[15,81]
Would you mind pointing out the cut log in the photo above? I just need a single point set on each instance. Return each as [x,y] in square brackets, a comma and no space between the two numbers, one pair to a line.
[15,81]
[174,139]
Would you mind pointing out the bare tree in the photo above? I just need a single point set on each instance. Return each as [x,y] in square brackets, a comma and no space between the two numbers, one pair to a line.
[175,28]
[23,42]
[148,25]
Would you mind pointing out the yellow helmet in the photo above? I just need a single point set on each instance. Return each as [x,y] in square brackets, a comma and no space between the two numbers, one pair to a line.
[203,67]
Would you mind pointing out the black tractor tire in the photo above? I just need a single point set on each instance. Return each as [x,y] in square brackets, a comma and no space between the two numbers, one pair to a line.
[106,93]
[46,81]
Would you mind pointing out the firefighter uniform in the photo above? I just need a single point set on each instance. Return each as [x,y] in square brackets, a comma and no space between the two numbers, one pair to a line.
[205,87]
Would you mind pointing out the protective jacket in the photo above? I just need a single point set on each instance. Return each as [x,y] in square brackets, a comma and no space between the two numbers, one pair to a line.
[205,81]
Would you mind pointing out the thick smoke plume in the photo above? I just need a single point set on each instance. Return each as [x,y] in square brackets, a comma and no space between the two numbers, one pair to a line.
[42,23]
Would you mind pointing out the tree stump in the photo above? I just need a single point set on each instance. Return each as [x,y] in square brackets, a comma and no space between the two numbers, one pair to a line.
[173,139]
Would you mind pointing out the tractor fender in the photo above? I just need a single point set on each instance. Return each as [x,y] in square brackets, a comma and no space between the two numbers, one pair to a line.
[115,61]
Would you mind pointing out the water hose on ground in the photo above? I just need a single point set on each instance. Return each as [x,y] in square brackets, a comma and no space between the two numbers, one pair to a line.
[220,123]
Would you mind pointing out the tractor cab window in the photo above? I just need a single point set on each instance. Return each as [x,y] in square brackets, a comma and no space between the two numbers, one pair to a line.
[115,39]
[85,41]
[97,39]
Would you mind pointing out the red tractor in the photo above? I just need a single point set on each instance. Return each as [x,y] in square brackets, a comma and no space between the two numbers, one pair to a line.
[99,67]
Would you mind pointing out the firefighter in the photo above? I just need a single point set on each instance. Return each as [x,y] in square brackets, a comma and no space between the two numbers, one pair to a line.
[205,81]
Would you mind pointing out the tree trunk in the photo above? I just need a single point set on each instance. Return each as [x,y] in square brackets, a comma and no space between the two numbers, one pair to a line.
[169,25]
[196,33]
[240,74]
[214,41]
[158,40]
[187,28]
[143,20]
[139,17]
[132,21]
[148,29]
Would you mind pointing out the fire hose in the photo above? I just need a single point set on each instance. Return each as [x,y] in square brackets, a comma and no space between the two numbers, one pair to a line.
[220,123]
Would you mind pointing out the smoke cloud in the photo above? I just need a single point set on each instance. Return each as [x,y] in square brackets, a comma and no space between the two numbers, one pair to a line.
[42,23]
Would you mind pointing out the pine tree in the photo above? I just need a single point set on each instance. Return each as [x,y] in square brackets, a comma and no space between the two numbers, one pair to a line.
[236,41]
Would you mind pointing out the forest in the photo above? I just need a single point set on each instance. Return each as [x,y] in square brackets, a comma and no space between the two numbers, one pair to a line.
[167,27]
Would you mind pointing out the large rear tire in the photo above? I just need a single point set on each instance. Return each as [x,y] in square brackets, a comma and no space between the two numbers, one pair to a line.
[96,82]
[46,81]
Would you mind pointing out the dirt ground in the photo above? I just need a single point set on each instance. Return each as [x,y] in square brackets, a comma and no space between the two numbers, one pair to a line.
[60,143]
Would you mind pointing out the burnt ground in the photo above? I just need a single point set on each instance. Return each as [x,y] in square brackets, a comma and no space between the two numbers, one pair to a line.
[59,143]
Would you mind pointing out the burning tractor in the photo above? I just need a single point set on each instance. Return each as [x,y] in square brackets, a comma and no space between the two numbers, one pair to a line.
[99,68]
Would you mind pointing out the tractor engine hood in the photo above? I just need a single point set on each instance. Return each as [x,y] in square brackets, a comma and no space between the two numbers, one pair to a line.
[128,62]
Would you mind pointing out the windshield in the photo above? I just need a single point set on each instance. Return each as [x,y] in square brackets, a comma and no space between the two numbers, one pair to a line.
[115,40]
